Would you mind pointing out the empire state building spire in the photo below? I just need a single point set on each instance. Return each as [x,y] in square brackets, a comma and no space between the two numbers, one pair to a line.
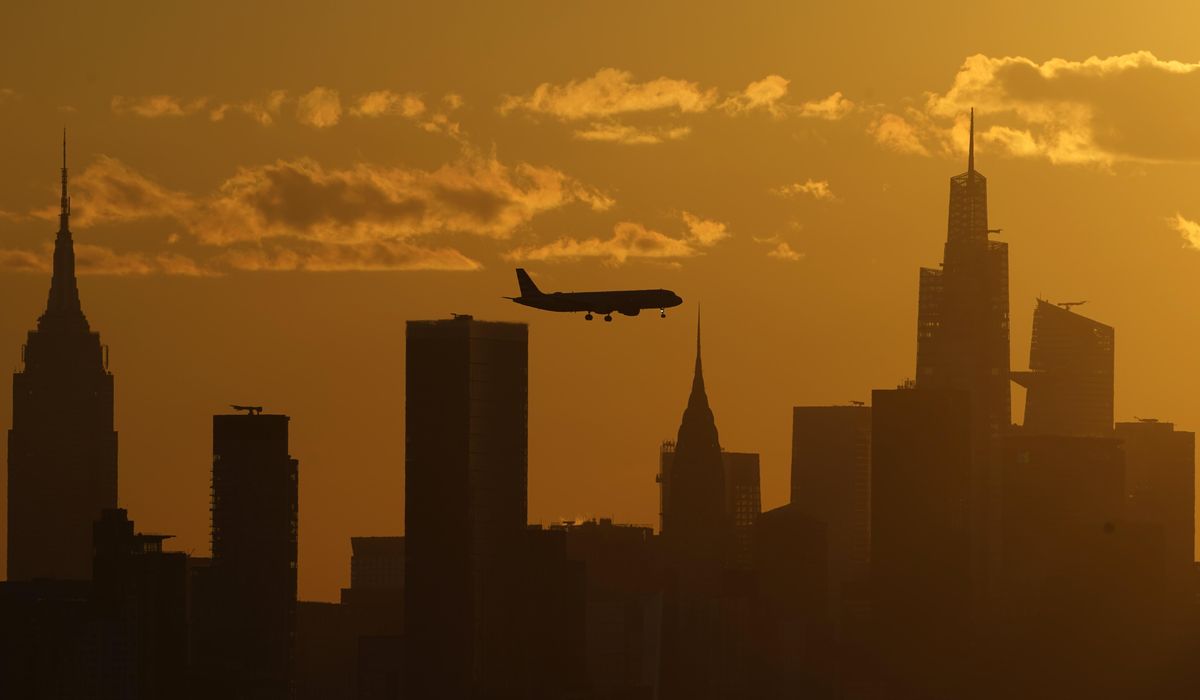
[63,309]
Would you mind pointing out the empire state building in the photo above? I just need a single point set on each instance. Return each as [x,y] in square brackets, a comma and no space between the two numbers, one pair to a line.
[62,449]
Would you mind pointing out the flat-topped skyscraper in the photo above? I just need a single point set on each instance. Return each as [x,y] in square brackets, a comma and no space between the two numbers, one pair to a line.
[465,472]
[62,449]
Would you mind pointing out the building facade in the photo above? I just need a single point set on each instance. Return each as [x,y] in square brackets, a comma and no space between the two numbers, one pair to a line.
[62,449]
[1070,376]
[466,466]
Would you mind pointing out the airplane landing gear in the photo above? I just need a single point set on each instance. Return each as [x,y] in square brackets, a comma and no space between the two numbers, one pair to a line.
[588,317]
[608,317]
[662,313]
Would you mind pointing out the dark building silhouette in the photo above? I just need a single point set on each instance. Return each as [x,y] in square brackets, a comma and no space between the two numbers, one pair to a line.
[791,636]
[62,449]
[696,527]
[624,606]
[1160,487]
[1070,376]
[921,539]
[48,640]
[1081,597]
[831,482]
[140,601]
[465,465]
[245,634]
[743,496]
[700,640]
[122,635]
[552,607]
[963,344]
[743,502]
[374,609]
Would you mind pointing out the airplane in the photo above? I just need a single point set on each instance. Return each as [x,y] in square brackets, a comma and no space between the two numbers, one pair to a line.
[628,302]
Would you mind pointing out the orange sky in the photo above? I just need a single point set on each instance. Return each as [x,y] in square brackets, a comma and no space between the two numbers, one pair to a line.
[263,195]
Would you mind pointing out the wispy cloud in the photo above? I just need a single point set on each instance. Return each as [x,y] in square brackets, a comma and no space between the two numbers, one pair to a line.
[300,215]
[609,98]
[631,240]
[387,103]
[817,189]
[783,251]
[320,107]
[1188,230]
[157,106]
[97,260]
[264,111]
[611,92]
[624,133]
[1090,111]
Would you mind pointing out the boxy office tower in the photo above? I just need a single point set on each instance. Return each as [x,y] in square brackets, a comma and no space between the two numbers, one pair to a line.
[255,508]
[466,466]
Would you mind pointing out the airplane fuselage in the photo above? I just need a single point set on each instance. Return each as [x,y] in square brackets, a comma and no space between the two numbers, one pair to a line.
[628,302]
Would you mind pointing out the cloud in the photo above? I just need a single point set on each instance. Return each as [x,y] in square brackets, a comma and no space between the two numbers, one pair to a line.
[387,103]
[1188,230]
[377,256]
[817,189]
[783,251]
[476,195]
[320,107]
[630,240]
[767,95]
[300,215]
[96,260]
[611,92]
[897,133]
[264,111]
[108,190]
[831,108]
[157,106]
[9,95]
[1091,111]
[610,97]
[762,94]
[623,133]
[704,232]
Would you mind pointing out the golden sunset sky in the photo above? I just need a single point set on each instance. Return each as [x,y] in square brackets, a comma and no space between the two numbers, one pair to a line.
[264,193]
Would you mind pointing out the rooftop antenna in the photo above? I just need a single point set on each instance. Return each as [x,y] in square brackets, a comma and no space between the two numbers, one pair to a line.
[250,410]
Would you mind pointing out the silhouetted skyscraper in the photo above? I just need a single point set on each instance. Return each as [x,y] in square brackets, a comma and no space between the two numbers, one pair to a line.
[962,343]
[699,657]
[140,602]
[1081,589]
[921,538]
[62,449]
[249,645]
[1160,487]
[743,502]
[1070,376]
[697,529]
[465,466]
[831,482]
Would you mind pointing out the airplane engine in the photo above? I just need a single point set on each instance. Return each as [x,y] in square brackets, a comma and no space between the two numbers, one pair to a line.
[630,312]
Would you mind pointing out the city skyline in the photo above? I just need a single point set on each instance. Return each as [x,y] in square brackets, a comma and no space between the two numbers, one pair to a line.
[326,347]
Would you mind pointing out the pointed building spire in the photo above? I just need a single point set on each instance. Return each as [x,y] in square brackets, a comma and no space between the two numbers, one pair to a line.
[64,202]
[63,309]
[971,147]
[699,396]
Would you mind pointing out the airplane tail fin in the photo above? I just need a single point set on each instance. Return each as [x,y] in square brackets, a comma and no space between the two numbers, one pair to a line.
[528,288]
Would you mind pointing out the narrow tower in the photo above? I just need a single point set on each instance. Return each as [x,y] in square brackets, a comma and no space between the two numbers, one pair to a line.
[62,449]
[696,528]
[962,344]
